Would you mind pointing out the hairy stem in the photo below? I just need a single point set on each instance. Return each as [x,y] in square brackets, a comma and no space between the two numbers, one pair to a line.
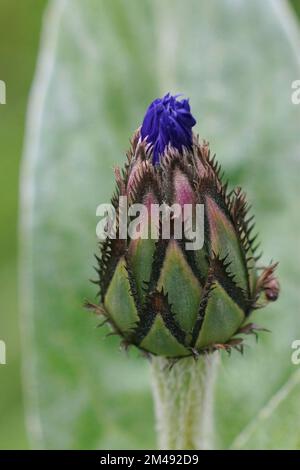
[183,396]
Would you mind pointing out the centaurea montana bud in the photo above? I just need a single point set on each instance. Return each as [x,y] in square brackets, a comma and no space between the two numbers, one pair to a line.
[156,294]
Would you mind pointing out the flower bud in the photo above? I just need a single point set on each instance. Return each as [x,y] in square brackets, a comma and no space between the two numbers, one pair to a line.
[156,293]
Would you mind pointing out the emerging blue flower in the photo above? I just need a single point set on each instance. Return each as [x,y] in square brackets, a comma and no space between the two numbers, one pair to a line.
[168,121]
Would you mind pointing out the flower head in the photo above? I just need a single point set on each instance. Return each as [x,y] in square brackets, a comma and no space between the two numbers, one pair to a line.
[157,294]
[168,121]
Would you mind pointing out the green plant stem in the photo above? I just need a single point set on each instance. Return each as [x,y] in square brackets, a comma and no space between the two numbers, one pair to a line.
[183,397]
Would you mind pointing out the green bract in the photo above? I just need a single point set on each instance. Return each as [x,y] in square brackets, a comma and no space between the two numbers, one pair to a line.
[174,302]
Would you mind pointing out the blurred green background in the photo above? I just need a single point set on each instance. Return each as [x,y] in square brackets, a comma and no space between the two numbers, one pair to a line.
[20,24]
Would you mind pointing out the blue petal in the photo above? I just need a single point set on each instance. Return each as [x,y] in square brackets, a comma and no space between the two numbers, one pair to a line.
[168,121]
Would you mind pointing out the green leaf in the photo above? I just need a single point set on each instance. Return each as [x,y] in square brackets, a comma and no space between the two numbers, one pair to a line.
[101,63]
